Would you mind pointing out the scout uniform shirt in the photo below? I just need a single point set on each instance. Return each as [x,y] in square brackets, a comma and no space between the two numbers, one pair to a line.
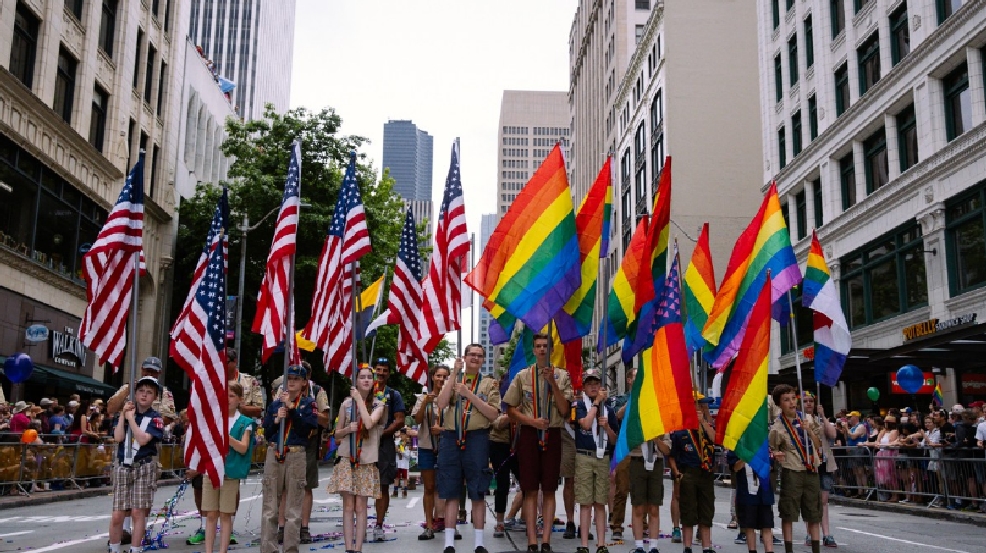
[252,396]
[367,446]
[298,424]
[149,421]
[432,417]
[486,389]
[521,394]
[779,439]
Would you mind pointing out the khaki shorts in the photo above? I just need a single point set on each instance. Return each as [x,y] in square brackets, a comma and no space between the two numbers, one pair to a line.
[646,486]
[567,455]
[591,479]
[800,494]
[223,498]
[697,498]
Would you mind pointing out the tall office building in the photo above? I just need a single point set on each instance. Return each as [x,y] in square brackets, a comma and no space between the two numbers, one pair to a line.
[85,87]
[874,121]
[408,153]
[251,42]
[486,227]
[671,102]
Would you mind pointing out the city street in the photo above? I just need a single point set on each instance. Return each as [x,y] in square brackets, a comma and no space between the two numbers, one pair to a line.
[81,526]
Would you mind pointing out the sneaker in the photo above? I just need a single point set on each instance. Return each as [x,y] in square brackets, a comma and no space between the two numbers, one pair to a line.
[306,535]
[280,535]
[778,541]
[638,550]
[808,540]
[617,535]
[458,536]
[125,537]
[653,550]
[732,525]
[462,517]
[428,534]
[740,538]
[829,541]
[498,531]
[569,531]
[377,533]
[232,539]
[579,532]
[404,493]
[581,549]
[449,549]
[532,548]
[676,535]
[602,549]
[510,524]
[395,492]
[480,549]
[545,548]
[709,551]
[199,537]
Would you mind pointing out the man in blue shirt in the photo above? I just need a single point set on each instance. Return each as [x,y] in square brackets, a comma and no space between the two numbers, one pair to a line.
[284,468]
[387,456]
[754,504]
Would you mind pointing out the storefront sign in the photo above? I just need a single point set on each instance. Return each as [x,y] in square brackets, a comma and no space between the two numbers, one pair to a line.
[808,354]
[36,333]
[932,326]
[66,349]
[927,388]
[974,384]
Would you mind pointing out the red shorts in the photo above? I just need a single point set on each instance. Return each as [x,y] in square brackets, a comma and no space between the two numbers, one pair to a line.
[539,469]
[402,474]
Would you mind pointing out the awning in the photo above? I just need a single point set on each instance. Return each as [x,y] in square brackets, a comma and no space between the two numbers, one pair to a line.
[77,383]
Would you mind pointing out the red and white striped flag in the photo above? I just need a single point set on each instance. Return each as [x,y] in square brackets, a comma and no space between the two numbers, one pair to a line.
[204,336]
[347,240]
[442,289]
[271,319]
[108,268]
[218,236]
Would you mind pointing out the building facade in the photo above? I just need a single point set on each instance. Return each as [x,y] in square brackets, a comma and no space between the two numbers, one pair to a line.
[251,43]
[875,126]
[84,87]
[486,226]
[408,152]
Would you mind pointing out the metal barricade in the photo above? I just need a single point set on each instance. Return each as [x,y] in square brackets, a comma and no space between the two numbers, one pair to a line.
[854,471]
[962,474]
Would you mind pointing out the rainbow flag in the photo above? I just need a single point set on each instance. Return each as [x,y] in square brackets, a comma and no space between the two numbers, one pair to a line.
[764,246]
[743,422]
[530,266]
[832,337]
[568,356]
[501,323]
[937,398]
[622,300]
[699,288]
[661,400]
[523,355]
[591,223]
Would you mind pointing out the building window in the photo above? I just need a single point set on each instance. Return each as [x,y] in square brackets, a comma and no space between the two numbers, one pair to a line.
[801,208]
[97,122]
[137,57]
[837,8]
[656,111]
[792,59]
[155,153]
[778,79]
[24,46]
[869,63]
[860,4]
[946,8]
[841,90]
[638,34]
[657,157]
[107,27]
[900,36]
[965,227]
[885,278]
[155,6]
[64,85]
[643,4]
[75,6]
[149,73]
[789,5]
[809,43]
[167,15]
[160,87]
[847,181]
[958,102]
[796,133]
[776,12]
[781,148]
[812,118]
[907,138]
[877,165]
[816,191]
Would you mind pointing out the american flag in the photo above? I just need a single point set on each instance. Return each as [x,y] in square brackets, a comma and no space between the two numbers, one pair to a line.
[271,320]
[108,268]
[404,305]
[442,290]
[204,333]
[218,235]
[348,239]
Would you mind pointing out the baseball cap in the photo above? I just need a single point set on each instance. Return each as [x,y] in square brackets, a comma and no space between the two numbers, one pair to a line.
[975,404]
[699,398]
[592,373]
[297,370]
[151,364]
[907,410]
[854,414]
[957,408]
[45,402]
[73,403]
[148,380]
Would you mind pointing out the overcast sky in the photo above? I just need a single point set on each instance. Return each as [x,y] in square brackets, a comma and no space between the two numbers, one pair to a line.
[443,64]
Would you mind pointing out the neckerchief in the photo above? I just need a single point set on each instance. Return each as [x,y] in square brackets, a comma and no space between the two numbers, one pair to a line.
[464,413]
[803,448]
[281,452]
[430,421]
[598,435]
[536,404]
[704,457]
[356,453]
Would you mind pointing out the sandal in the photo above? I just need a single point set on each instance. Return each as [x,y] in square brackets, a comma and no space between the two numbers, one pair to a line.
[428,534]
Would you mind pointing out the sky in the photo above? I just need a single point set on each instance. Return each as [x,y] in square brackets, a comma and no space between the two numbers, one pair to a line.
[443,64]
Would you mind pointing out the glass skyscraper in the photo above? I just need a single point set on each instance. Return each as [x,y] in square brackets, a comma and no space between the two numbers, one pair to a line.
[407,152]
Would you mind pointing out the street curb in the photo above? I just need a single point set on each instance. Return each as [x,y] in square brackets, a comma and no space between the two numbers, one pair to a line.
[42,498]
[975,519]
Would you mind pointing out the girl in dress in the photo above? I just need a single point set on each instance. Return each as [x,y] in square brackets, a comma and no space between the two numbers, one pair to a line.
[355,476]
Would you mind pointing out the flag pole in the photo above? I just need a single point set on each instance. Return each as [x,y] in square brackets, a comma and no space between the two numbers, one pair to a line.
[288,343]
[358,308]
[354,298]
[794,341]
[602,320]
[132,344]
[472,293]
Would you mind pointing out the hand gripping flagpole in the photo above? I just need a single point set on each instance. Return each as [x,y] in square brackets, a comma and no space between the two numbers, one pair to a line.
[288,342]
[797,363]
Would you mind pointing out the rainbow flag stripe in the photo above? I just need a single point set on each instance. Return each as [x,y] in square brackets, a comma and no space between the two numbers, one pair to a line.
[832,337]
[575,319]
[743,423]
[530,266]
[764,246]
[937,398]
[622,294]
[699,287]
[661,400]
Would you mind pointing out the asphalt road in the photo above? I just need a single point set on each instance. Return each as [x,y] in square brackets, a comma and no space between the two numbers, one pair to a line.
[81,527]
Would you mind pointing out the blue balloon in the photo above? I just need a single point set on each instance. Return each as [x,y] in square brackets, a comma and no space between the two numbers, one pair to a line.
[18,367]
[910,378]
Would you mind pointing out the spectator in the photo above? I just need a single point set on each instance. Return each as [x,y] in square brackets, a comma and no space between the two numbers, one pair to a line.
[977,408]
[965,446]
[45,415]
[70,410]
[20,421]
[932,445]
[856,437]
[57,424]
[883,466]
